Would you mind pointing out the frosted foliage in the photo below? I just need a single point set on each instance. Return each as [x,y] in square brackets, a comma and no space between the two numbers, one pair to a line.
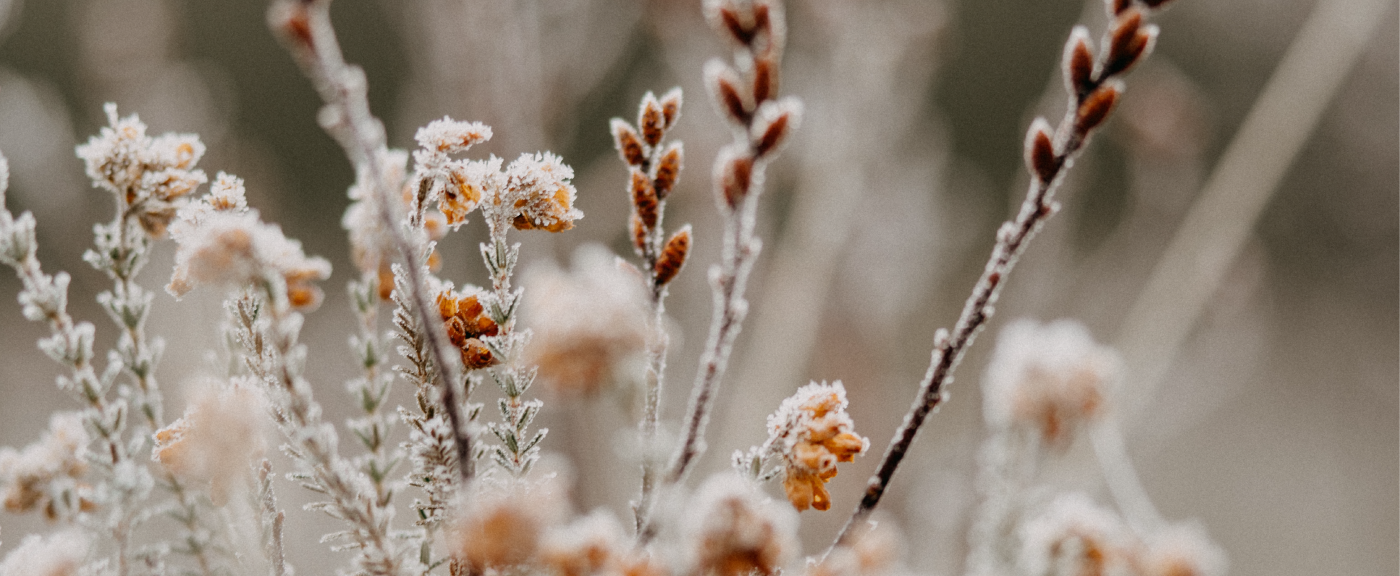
[44,472]
[1074,536]
[589,324]
[737,532]
[217,439]
[59,554]
[1047,378]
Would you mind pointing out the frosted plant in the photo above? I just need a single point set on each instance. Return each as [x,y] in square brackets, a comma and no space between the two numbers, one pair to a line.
[45,474]
[1181,550]
[735,531]
[1049,380]
[59,554]
[215,441]
[1075,537]
[589,324]
[501,523]
[808,434]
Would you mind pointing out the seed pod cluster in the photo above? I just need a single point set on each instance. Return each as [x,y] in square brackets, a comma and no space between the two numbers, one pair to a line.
[654,168]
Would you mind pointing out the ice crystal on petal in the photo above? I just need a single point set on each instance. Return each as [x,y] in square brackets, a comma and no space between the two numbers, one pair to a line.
[452,136]
[1049,379]
[151,176]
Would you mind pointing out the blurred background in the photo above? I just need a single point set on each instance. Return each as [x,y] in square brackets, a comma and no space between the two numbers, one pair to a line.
[1272,419]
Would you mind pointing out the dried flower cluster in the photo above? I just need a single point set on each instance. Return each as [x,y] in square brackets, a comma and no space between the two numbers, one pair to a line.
[481,505]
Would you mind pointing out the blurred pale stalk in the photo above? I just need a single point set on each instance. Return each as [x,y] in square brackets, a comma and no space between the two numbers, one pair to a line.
[1220,222]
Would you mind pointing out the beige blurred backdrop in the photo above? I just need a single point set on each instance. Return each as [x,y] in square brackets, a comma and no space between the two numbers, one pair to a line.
[1273,420]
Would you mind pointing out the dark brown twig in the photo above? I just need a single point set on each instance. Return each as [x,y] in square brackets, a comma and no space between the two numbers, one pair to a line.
[1094,90]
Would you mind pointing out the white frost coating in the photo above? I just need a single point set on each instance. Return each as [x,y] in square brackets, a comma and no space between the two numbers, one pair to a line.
[59,554]
[1076,534]
[1050,378]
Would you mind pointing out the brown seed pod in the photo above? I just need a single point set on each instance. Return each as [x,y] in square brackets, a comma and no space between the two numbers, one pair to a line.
[673,256]
[671,106]
[1096,106]
[1041,159]
[775,122]
[724,84]
[652,120]
[668,170]
[735,178]
[628,143]
[644,199]
[1127,42]
[1079,63]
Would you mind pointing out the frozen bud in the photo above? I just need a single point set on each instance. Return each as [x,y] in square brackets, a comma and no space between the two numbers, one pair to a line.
[1075,536]
[216,441]
[644,200]
[452,136]
[1049,379]
[1079,63]
[652,120]
[641,235]
[466,322]
[178,151]
[590,324]
[735,176]
[724,86]
[1116,7]
[543,196]
[1041,159]
[811,431]
[738,533]
[671,107]
[587,546]
[765,78]
[500,526]
[462,193]
[672,258]
[1181,550]
[772,124]
[668,170]
[59,554]
[150,175]
[733,20]
[628,143]
[1128,41]
[114,158]
[1096,106]
[227,194]
[44,475]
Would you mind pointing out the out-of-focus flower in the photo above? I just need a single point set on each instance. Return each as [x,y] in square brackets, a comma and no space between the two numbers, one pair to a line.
[467,322]
[737,533]
[44,476]
[1075,537]
[541,197]
[501,524]
[371,246]
[216,440]
[1181,550]
[59,554]
[1049,379]
[589,324]
[587,546]
[811,432]
[234,247]
[151,176]
[873,550]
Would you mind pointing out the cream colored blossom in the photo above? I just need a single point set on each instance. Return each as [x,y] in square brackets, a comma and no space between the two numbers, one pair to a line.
[44,476]
[1074,536]
[736,532]
[539,193]
[1050,379]
[590,545]
[236,248]
[501,524]
[811,432]
[151,176]
[217,439]
[589,324]
[58,554]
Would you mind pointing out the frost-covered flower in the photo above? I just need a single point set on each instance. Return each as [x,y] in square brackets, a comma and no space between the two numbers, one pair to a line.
[873,550]
[58,554]
[736,532]
[236,248]
[466,322]
[44,476]
[216,440]
[372,247]
[151,176]
[450,136]
[1075,537]
[502,523]
[811,432]
[589,324]
[1049,378]
[541,196]
[456,185]
[1181,550]
[590,545]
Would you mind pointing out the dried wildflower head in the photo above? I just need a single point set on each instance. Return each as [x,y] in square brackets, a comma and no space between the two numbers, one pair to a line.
[738,533]
[58,554]
[44,476]
[450,136]
[1075,537]
[540,194]
[590,324]
[151,176]
[455,184]
[501,524]
[1048,379]
[467,322]
[1181,550]
[216,441]
[589,545]
[235,248]
[811,432]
